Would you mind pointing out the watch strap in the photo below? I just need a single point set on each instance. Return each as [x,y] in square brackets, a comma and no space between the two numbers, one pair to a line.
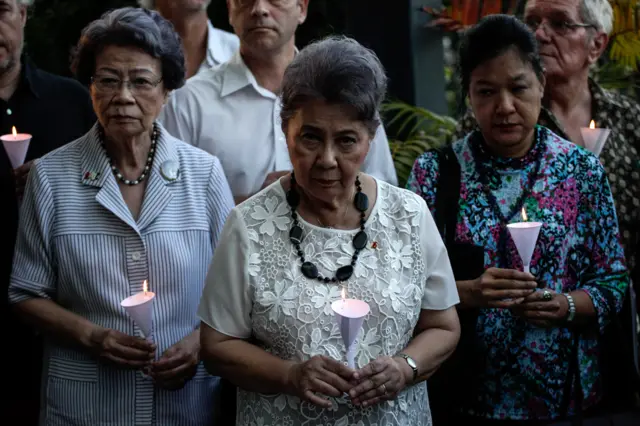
[571,312]
[411,363]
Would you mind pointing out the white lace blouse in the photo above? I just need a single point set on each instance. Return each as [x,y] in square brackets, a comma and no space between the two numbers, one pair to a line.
[255,288]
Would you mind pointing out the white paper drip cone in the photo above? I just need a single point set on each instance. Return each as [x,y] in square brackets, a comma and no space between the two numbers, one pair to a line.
[16,150]
[350,315]
[525,236]
[594,139]
[141,311]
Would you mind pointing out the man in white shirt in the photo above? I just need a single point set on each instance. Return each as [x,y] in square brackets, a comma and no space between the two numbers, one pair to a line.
[233,112]
[204,45]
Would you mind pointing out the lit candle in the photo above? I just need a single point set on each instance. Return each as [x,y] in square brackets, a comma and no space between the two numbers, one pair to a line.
[140,308]
[594,138]
[525,235]
[350,314]
[16,145]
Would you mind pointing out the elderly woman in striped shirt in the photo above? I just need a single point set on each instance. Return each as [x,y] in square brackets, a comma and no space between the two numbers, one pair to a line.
[124,204]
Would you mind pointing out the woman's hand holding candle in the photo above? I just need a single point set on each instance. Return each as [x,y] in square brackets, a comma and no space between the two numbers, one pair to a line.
[319,375]
[122,349]
[178,364]
[497,288]
[382,379]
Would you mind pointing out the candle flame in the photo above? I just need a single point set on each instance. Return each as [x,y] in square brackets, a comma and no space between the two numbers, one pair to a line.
[14,131]
[592,125]
[524,215]
[344,294]
[145,287]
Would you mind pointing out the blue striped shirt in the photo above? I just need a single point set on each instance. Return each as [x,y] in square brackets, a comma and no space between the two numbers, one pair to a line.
[79,246]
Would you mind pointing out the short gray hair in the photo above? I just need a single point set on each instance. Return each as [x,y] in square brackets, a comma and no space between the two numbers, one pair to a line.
[27,3]
[338,70]
[129,26]
[598,13]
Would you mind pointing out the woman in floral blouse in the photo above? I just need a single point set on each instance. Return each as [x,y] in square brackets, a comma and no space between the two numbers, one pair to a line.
[517,360]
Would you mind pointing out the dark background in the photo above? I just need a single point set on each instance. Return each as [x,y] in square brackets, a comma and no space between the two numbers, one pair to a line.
[54,26]
[395,29]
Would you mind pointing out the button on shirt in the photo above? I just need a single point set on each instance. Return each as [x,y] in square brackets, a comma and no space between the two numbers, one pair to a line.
[225,112]
[79,246]
[221,45]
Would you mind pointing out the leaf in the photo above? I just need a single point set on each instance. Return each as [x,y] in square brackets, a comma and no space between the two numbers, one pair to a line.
[404,227]
[343,421]
[253,235]
[333,352]
[266,406]
[332,243]
[293,402]
[327,265]
[425,130]
[281,402]
[309,251]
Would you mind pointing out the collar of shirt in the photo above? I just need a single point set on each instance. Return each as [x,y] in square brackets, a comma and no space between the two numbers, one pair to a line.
[95,163]
[215,52]
[604,103]
[237,76]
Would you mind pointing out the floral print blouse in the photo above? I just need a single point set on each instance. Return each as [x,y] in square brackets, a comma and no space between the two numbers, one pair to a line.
[620,155]
[564,187]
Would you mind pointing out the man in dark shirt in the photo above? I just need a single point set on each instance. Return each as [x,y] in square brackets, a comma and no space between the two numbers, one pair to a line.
[54,110]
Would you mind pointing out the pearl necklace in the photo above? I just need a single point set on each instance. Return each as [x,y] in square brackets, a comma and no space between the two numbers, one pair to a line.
[147,167]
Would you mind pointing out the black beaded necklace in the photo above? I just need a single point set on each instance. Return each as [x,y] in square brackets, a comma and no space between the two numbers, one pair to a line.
[309,270]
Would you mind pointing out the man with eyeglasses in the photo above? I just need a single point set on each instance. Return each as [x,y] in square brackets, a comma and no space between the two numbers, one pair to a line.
[572,35]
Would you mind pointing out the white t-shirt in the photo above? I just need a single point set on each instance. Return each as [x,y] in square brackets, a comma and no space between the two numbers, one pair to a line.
[255,288]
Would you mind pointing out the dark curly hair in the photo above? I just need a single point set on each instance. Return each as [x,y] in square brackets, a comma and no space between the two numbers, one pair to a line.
[129,26]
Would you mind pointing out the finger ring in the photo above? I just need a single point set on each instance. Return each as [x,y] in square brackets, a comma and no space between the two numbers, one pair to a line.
[546,295]
[384,389]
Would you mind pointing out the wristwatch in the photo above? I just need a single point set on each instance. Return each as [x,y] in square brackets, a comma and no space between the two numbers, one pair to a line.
[412,364]
[571,313]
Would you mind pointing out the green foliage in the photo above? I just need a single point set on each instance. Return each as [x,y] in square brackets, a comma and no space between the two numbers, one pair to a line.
[424,130]
[615,76]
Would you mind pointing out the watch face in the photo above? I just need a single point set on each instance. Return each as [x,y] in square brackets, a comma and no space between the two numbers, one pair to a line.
[411,363]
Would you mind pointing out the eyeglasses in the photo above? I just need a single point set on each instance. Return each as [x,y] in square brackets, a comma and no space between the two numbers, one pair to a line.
[137,86]
[555,26]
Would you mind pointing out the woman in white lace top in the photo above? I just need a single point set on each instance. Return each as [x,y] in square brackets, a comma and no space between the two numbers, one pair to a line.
[287,253]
